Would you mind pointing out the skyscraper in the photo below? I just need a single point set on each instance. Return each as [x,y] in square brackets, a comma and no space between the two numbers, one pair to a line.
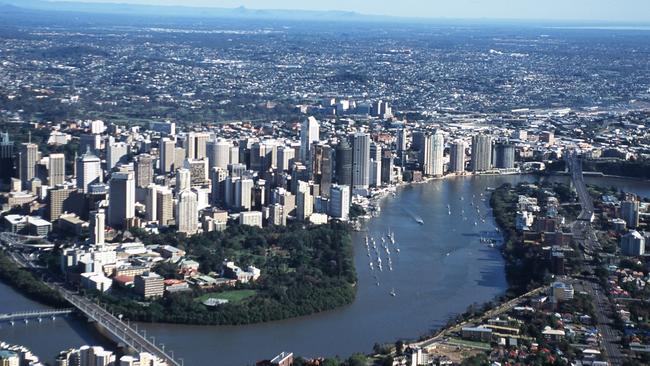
[115,153]
[56,169]
[196,145]
[218,181]
[505,156]
[375,164]
[121,205]
[630,213]
[183,180]
[340,202]
[218,152]
[143,170]
[344,163]
[164,206]
[433,154]
[457,157]
[28,159]
[309,133]
[322,166]
[481,153]
[244,194]
[286,156]
[89,170]
[360,161]
[167,147]
[6,158]
[97,227]
[187,213]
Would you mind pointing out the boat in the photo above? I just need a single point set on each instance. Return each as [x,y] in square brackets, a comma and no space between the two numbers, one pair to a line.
[419,221]
[392,293]
[397,249]
[371,267]
[448,254]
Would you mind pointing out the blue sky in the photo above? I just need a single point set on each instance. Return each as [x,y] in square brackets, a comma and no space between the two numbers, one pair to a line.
[609,10]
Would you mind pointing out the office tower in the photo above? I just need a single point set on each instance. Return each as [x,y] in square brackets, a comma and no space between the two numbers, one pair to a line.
[344,163]
[89,170]
[285,158]
[167,150]
[402,141]
[309,133]
[183,180]
[457,157]
[304,204]
[481,153]
[257,157]
[97,227]
[187,212]
[340,202]
[58,202]
[381,109]
[164,206]
[633,244]
[218,152]
[433,154]
[116,153]
[321,166]
[387,166]
[218,181]
[121,205]
[56,169]
[90,141]
[143,170]
[243,194]
[198,170]
[505,156]
[375,164]
[360,161]
[6,158]
[196,144]
[150,203]
[277,215]
[417,140]
[630,213]
[28,160]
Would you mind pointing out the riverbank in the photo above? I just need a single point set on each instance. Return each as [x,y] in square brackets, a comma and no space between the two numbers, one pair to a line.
[27,283]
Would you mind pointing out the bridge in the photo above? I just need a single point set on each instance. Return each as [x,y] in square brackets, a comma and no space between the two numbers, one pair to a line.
[120,330]
[36,314]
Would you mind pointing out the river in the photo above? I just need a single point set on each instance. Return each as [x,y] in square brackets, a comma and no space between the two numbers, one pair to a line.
[442,267]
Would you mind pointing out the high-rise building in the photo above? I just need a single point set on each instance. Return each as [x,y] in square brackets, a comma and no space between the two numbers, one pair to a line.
[121,205]
[360,161]
[402,141]
[6,158]
[151,202]
[164,206]
[481,153]
[97,227]
[187,212]
[167,151]
[218,152]
[309,133]
[433,154]
[149,285]
[116,153]
[344,163]
[89,170]
[183,180]
[286,157]
[630,213]
[505,156]
[243,194]
[277,215]
[91,141]
[457,157]
[143,170]
[58,202]
[322,166]
[218,181]
[196,145]
[340,202]
[28,160]
[304,204]
[387,166]
[56,169]
[633,244]
[198,169]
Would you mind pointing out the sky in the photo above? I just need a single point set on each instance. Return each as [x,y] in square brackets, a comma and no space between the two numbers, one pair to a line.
[605,10]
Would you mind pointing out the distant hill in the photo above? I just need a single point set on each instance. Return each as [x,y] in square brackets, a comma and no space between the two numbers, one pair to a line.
[187,11]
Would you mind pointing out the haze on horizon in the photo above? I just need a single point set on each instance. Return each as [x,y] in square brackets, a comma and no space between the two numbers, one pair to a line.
[563,10]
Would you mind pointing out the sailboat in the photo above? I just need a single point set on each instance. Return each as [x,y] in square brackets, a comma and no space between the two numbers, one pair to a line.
[392,293]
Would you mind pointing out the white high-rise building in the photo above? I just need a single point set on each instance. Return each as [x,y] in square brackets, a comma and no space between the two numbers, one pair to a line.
[481,153]
[309,133]
[196,144]
[28,159]
[360,161]
[187,212]
[89,170]
[97,227]
[457,157]
[121,205]
[115,153]
[218,152]
[434,147]
[56,169]
[183,179]
[167,155]
[243,194]
[340,202]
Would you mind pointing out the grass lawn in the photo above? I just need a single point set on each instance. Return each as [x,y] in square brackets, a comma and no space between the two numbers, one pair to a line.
[233,296]
[460,342]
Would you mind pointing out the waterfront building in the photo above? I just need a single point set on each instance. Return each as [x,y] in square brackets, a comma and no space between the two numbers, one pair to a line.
[481,159]
[344,163]
[360,161]
[433,154]
[457,157]
[149,285]
[340,202]
[505,156]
